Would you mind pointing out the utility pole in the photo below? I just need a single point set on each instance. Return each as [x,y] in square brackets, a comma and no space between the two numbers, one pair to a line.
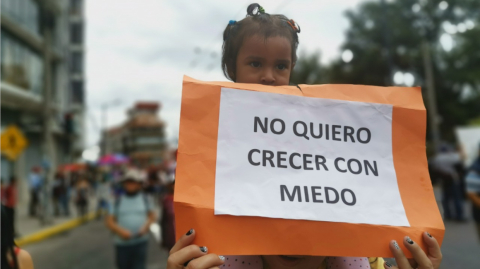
[386,40]
[432,99]
[104,127]
[47,146]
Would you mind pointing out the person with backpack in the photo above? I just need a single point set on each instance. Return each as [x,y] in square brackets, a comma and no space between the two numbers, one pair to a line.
[129,219]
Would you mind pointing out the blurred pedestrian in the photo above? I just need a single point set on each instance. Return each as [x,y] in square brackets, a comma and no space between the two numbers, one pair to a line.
[9,200]
[60,194]
[130,219]
[35,180]
[12,257]
[167,222]
[81,200]
[473,190]
[444,163]
[104,193]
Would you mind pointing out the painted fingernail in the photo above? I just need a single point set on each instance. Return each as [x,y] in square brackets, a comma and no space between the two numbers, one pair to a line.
[204,249]
[388,264]
[222,258]
[410,241]
[429,235]
[190,232]
[395,244]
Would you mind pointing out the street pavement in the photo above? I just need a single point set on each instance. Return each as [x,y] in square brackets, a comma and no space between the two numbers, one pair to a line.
[88,246]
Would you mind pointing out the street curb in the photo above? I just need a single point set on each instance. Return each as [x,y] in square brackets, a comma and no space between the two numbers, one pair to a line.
[53,230]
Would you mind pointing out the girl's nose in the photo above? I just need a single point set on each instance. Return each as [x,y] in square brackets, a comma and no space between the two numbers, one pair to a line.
[267,78]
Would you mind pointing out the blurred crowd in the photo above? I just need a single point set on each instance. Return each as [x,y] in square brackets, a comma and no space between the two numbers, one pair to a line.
[79,188]
[458,183]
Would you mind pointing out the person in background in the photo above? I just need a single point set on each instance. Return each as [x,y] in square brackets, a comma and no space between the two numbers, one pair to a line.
[104,191]
[35,180]
[59,193]
[81,200]
[12,257]
[9,200]
[444,163]
[130,219]
[473,189]
[167,222]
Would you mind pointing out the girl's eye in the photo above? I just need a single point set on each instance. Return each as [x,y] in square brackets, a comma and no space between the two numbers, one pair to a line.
[281,66]
[255,64]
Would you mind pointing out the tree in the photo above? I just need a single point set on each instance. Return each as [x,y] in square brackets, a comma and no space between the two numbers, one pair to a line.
[386,38]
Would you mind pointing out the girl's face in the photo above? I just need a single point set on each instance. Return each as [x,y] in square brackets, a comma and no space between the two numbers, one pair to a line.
[293,262]
[267,62]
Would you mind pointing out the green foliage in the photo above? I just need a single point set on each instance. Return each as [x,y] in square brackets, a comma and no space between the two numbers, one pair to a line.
[386,38]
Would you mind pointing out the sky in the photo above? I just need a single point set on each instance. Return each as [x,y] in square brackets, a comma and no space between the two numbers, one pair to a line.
[140,50]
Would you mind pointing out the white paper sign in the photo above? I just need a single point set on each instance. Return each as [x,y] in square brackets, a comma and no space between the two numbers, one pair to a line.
[291,157]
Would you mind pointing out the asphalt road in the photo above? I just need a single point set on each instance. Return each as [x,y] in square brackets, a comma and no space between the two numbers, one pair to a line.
[89,246]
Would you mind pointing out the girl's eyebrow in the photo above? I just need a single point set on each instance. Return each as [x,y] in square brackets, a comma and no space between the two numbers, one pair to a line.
[254,58]
[283,61]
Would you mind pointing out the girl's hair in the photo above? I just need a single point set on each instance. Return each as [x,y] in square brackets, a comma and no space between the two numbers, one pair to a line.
[257,22]
[7,242]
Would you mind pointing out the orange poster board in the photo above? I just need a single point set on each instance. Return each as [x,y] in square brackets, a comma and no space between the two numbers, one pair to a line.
[249,235]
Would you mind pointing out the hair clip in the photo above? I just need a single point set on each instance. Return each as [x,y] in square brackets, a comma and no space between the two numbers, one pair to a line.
[232,22]
[294,25]
[258,9]
[261,10]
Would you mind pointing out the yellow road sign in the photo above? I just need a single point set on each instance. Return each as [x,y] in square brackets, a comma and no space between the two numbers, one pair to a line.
[13,142]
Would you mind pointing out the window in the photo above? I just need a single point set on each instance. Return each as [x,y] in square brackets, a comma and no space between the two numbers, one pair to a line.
[77,92]
[76,7]
[20,66]
[76,62]
[23,12]
[76,33]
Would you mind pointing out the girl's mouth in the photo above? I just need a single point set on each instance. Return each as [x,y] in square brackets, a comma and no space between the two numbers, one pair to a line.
[289,260]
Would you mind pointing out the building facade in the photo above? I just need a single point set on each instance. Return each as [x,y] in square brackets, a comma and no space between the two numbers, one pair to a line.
[141,137]
[42,82]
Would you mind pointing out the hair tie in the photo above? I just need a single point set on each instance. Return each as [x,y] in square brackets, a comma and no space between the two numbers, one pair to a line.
[261,10]
[294,25]
[232,22]
[258,9]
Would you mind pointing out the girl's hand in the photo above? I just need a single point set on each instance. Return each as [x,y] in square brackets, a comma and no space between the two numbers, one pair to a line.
[186,255]
[420,260]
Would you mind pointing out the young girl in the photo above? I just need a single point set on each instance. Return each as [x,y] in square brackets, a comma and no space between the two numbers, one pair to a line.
[261,49]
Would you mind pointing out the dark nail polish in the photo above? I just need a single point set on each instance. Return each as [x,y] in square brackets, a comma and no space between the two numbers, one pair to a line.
[388,264]
[395,244]
[190,232]
[204,249]
[429,235]
[410,241]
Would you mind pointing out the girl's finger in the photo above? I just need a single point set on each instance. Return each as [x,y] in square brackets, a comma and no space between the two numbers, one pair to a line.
[184,241]
[400,258]
[207,261]
[417,252]
[434,252]
[185,255]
